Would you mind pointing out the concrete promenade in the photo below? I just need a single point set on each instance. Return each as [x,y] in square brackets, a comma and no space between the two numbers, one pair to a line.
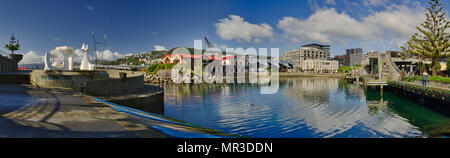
[27,111]
[428,85]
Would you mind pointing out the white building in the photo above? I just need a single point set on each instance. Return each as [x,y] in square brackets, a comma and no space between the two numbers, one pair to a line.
[320,65]
[296,56]
[308,58]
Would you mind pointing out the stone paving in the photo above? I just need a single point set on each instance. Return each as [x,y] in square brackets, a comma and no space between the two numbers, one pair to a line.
[27,111]
[428,85]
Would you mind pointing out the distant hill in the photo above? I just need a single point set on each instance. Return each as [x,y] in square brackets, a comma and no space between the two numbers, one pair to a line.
[135,59]
[150,55]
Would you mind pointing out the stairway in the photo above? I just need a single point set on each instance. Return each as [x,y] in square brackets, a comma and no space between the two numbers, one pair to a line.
[390,71]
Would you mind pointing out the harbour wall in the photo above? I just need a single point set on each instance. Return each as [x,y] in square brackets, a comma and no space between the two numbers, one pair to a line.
[165,77]
[114,86]
[434,98]
[14,78]
[65,79]
[116,73]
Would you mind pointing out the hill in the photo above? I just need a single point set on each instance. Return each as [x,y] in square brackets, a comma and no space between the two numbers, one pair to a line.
[150,57]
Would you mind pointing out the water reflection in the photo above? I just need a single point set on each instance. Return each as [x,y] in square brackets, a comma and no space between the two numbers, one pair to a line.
[303,107]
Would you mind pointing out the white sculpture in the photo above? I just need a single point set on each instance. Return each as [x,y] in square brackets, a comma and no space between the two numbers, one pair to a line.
[85,63]
[52,61]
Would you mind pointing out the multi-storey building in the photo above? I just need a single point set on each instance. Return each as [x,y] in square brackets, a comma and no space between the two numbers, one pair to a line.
[356,52]
[340,59]
[325,48]
[296,56]
[357,59]
[320,65]
[311,57]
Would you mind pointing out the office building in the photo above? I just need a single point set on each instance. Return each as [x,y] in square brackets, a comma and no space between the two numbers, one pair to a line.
[296,56]
[348,60]
[320,66]
[325,48]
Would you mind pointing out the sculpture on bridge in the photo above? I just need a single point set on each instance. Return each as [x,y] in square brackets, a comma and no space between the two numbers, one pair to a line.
[60,58]
[85,63]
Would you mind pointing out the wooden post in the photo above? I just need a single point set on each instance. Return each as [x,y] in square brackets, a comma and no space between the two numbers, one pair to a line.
[381,92]
[411,70]
[380,66]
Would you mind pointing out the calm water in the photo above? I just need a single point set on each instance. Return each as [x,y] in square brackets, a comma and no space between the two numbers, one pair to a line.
[302,108]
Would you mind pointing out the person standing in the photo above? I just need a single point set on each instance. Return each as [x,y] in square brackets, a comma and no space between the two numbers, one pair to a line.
[424,78]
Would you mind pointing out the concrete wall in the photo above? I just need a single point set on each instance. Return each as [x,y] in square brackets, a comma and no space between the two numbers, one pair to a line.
[9,63]
[153,104]
[64,79]
[109,87]
[11,78]
[115,73]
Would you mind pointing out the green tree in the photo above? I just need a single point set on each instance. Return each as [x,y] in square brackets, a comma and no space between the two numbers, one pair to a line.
[433,40]
[344,69]
[13,44]
[448,64]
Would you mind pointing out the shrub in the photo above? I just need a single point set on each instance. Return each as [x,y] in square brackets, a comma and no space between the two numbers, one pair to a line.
[439,79]
[344,69]
[432,78]
[448,64]
[154,68]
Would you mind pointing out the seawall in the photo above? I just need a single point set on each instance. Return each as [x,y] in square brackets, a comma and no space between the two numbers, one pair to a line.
[435,98]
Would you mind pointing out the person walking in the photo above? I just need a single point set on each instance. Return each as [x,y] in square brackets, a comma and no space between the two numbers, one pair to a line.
[424,78]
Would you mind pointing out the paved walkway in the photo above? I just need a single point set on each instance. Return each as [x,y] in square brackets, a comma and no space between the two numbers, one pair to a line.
[31,112]
[428,85]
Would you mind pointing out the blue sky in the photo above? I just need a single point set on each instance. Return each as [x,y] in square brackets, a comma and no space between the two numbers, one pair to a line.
[135,26]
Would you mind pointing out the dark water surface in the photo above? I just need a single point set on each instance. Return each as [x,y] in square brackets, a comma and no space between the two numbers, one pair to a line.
[302,108]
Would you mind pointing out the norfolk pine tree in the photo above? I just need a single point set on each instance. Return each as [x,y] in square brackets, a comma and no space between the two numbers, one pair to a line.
[433,40]
[13,44]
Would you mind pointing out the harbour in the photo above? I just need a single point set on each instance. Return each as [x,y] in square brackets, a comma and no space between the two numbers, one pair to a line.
[305,108]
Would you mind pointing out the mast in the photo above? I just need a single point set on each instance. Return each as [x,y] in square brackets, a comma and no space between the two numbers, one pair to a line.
[209,44]
[95,48]
[103,48]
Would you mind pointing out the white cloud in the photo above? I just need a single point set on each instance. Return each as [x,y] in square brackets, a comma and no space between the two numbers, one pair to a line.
[400,21]
[78,55]
[223,47]
[375,3]
[234,27]
[109,55]
[90,7]
[159,48]
[330,2]
[329,26]
[31,58]
[326,26]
